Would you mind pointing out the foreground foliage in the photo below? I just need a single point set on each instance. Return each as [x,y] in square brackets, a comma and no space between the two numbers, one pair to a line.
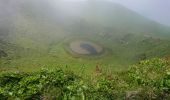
[150,79]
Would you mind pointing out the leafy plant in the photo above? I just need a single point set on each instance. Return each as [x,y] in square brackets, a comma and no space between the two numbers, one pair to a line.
[150,79]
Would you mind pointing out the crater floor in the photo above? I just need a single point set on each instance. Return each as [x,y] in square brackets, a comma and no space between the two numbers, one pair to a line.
[85,47]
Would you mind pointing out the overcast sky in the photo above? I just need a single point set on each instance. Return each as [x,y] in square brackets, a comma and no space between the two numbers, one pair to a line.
[158,10]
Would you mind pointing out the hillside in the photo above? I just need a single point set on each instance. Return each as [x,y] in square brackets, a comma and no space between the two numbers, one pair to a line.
[37,33]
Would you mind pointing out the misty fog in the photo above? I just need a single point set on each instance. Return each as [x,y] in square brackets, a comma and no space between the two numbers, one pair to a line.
[84,50]
[41,33]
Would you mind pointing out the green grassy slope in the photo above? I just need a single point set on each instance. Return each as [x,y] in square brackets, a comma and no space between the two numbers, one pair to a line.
[37,37]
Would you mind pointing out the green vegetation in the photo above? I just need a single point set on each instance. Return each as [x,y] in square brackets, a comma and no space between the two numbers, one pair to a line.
[150,79]
[122,51]
[34,37]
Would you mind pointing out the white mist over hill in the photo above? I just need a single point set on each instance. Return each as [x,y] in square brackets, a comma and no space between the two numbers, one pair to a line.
[37,33]
[156,10]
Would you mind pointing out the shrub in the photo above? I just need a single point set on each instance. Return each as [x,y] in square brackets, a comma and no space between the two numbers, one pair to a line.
[150,79]
[151,76]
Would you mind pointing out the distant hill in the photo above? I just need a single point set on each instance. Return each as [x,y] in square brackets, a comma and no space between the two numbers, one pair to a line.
[89,16]
[97,15]
[34,33]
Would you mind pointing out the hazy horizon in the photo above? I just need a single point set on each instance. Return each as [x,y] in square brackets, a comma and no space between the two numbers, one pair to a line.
[157,10]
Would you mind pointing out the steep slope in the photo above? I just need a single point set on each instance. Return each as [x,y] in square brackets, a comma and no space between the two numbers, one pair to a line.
[104,14]
[92,15]
[36,32]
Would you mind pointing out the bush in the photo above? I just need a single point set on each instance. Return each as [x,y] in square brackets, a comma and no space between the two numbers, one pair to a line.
[150,79]
[152,76]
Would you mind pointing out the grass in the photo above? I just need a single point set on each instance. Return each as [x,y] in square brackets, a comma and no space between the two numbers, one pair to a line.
[148,79]
[41,42]
[119,56]
[36,42]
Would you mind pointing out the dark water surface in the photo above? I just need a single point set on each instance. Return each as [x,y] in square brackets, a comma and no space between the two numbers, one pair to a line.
[92,50]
